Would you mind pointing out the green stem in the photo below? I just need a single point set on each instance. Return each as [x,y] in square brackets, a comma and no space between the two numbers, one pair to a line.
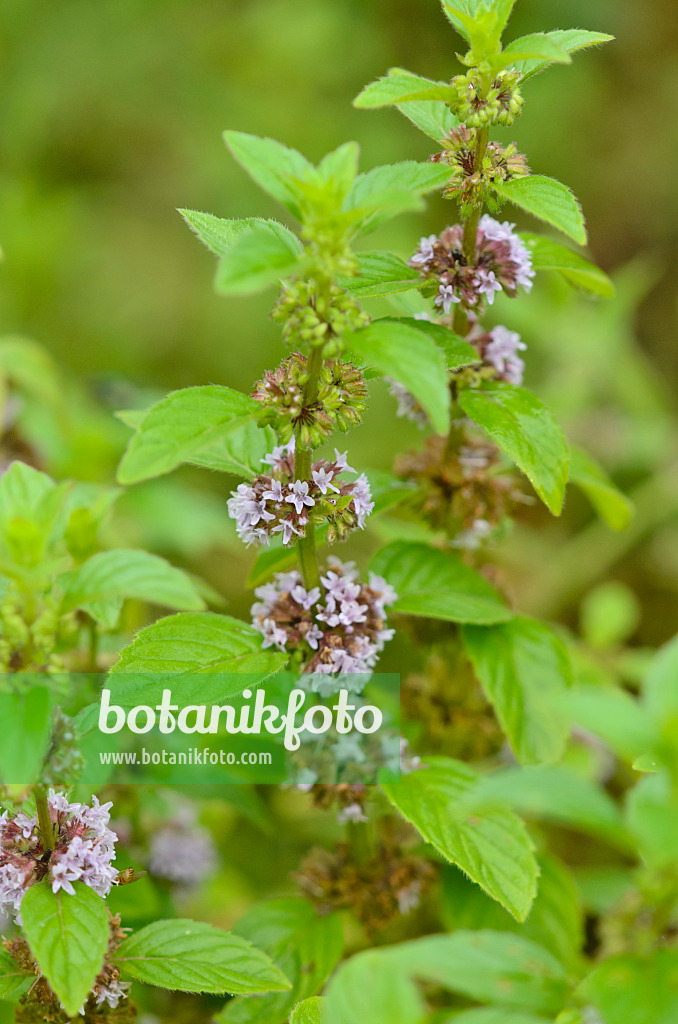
[44,817]
[306,546]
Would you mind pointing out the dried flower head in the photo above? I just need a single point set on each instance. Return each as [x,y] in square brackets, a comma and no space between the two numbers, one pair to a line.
[339,627]
[468,182]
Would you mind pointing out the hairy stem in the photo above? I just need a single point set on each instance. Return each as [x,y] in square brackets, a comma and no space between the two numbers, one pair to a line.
[471,228]
[44,818]
[306,546]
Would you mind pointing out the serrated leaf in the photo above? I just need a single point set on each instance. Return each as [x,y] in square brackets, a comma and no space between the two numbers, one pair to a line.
[458,352]
[571,40]
[68,936]
[13,980]
[523,428]
[635,990]
[537,45]
[198,642]
[548,200]
[259,257]
[310,1011]
[409,355]
[240,451]
[220,234]
[399,87]
[338,169]
[524,669]
[409,176]
[119,574]
[373,987]
[180,427]
[275,168]
[304,945]
[433,117]
[493,848]
[381,273]
[609,502]
[549,255]
[191,956]
[436,584]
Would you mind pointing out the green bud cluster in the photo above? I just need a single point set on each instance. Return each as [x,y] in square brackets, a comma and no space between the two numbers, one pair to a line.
[467,183]
[500,104]
[339,404]
[305,321]
[328,256]
[28,646]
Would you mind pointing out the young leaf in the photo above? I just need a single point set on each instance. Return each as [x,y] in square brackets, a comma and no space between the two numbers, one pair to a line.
[524,669]
[311,1011]
[548,200]
[526,431]
[274,167]
[191,956]
[198,642]
[635,990]
[539,44]
[571,40]
[492,847]
[433,117]
[111,575]
[260,257]
[338,170]
[218,234]
[14,981]
[408,355]
[398,87]
[381,273]
[180,426]
[548,255]
[304,945]
[68,936]
[611,505]
[436,584]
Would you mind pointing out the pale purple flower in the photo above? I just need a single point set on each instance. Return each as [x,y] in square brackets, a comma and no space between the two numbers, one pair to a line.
[362,499]
[446,297]
[183,852]
[352,812]
[299,496]
[323,480]
[425,253]
[408,406]
[502,353]
[488,284]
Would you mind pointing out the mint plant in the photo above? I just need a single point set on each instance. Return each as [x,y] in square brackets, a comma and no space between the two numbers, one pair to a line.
[452,895]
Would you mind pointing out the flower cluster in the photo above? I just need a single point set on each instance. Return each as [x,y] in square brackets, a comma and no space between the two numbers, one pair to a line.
[339,627]
[304,323]
[501,104]
[275,503]
[84,849]
[339,402]
[502,262]
[182,851]
[500,348]
[468,182]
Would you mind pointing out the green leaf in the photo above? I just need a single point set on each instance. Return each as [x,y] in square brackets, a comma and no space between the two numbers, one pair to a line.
[652,818]
[198,642]
[615,716]
[24,492]
[219,234]
[240,451]
[493,967]
[13,980]
[495,1015]
[337,170]
[660,693]
[26,718]
[373,987]
[259,258]
[524,669]
[526,431]
[609,502]
[68,936]
[571,40]
[381,273]
[191,956]
[274,167]
[180,427]
[635,990]
[311,1011]
[458,352]
[436,584]
[398,87]
[554,793]
[433,117]
[386,191]
[548,200]
[112,575]
[410,356]
[493,848]
[539,44]
[304,945]
[548,255]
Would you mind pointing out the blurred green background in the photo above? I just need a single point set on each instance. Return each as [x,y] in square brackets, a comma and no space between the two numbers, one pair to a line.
[112,114]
